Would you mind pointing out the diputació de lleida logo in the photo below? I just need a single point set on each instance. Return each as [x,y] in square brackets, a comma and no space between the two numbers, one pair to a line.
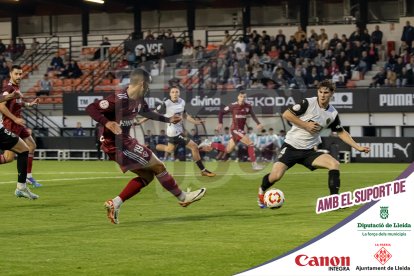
[384,212]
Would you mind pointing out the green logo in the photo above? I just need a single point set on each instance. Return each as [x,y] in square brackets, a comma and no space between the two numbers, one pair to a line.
[384,212]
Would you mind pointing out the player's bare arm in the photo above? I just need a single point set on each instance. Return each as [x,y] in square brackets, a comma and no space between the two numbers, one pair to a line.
[32,103]
[192,120]
[346,137]
[311,127]
[6,112]
[11,96]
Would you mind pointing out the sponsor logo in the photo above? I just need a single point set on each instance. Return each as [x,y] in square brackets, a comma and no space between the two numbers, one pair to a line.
[126,123]
[147,48]
[396,99]
[333,263]
[84,101]
[384,212]
[382,150]
[270,101]
[383,255]
[205,101]
[342,100]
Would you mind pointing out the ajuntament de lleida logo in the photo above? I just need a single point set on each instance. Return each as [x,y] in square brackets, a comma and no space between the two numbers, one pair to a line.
[384,212]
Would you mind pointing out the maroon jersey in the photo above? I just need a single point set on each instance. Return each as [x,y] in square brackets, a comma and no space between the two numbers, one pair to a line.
[239,115]
[15,107]
[123,149]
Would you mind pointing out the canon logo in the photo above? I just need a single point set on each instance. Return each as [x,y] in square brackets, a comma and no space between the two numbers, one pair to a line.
[304,260]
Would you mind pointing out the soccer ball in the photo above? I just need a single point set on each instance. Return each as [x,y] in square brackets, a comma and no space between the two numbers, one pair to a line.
[274,198]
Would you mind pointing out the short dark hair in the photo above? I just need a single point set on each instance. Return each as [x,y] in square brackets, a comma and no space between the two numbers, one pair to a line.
[139,75]
[18,67]
[242,92]
[327,84]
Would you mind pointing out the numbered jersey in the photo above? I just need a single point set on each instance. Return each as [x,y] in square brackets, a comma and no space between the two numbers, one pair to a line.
[169,109]
[310,111]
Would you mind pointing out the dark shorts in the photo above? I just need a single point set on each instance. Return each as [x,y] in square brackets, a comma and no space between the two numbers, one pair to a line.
[130,155]
[179,140]
[7,139]
[290,156]
[237,134]
[19,130]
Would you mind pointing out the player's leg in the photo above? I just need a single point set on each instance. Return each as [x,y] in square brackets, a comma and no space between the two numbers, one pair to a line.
[168,182]
[6,157]
[326,161]
[134,186]
[169,148]
[251,152]
[32,147]
[22,151]
[197,158]
[277,172]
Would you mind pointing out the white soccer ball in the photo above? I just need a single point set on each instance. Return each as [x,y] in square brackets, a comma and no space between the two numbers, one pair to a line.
[274,198]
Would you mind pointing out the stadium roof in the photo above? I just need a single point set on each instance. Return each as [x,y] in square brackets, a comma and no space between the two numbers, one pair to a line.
[56,7]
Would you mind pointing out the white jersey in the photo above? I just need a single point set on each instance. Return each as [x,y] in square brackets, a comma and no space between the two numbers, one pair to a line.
[169,109]
[309,110]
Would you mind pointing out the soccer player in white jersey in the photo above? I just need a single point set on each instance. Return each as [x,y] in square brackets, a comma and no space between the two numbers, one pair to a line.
[175,132]
[308,119]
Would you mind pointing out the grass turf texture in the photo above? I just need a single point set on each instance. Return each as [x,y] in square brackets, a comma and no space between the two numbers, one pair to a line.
[66,231]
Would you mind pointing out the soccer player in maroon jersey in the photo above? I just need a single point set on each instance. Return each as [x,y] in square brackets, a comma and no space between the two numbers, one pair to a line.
[10,142]
[13,121]
[239,110]
[116,113]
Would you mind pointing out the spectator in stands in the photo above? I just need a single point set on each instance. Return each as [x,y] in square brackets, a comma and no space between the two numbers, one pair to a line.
[2,47]
[408,34]
[57,63]
[20,47]
[79,131]
[265,37]
[4,73]
[379,78]
[334,41]
[162,35]
[226,39]
[313,79]
[356,35]
[103,48]
[391,79]
[149,36]
[45,86]
[376,36]
[11,50]
[402,78]
[33,48]
[198,50]
[280,39]
[188,51]
[300,35]
[241,45]
[110,76]
[140,56]
[170,34]
[162,139]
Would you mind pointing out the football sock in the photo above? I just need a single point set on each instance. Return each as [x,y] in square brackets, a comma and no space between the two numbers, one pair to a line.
[22,166]
[334,181]
[2,159]
[117,201]
[168,182]
[30,163]
[252,155]
[266,184]
[218,146]
[200,165]
[21,186]
[132,188]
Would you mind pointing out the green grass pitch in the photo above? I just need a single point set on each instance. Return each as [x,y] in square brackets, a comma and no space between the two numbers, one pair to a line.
[66,231]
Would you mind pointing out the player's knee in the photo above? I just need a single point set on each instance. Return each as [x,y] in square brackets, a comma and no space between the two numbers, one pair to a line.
[158,168]
[333,165]
[169,149]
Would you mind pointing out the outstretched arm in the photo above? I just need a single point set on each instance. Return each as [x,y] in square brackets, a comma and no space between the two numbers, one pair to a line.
[192,120]
[259,125]
[148,113]
[346,137]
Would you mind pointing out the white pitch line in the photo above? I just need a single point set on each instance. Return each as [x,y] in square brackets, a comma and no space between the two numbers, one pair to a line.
[181,175]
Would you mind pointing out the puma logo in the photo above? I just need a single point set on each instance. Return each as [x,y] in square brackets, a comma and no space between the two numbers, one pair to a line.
[404,150]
